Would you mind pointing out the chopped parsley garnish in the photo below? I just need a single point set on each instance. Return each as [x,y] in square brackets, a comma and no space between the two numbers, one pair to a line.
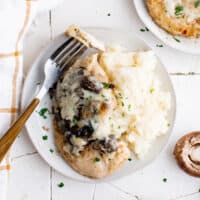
[177,39]
[144,29]
[43,112]
[61,184]
[159,45]
[51,150]
[165,180]
[179,10]
[103,96]
[151,90]
[123,114]
[129,159]
[74,121]
[199,190]
[119,96]
[45,137]
[89,98]
[122,103]
[96,159]
[108,85]
[196,4]
[129,107]
[168,124]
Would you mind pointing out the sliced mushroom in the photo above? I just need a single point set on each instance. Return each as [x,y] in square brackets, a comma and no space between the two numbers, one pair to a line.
[187,153]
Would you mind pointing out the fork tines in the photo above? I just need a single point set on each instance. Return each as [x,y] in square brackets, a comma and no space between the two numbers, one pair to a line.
[68,52]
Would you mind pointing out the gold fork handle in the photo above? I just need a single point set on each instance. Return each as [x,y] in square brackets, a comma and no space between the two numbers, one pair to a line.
[9,137]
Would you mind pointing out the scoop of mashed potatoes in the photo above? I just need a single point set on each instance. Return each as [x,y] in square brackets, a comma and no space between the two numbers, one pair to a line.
[143,105]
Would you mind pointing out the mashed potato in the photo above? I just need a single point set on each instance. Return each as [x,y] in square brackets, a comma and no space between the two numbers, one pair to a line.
[142,104]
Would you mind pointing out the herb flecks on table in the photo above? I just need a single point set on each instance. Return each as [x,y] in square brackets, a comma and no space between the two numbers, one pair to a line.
[164,180]
[144,29]
[61,184]
[159,45]
[176,39]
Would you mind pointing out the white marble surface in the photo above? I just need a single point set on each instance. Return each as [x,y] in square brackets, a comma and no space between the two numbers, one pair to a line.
[31,178]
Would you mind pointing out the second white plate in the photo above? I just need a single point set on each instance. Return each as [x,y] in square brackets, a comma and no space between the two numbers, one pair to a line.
[186,44]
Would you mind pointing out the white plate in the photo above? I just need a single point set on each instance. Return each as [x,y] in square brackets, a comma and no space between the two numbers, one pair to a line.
[36,122]
[186,45]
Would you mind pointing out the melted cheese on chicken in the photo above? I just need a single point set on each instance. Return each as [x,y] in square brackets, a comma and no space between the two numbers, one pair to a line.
[179,8]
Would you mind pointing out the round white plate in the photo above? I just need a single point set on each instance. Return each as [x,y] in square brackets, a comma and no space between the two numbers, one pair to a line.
[186,44]
[35,125]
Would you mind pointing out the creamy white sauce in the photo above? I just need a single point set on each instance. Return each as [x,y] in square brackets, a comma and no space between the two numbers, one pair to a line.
[191,13]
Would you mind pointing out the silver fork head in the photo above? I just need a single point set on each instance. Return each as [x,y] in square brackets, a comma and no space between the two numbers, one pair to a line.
[65,55]
[68,52]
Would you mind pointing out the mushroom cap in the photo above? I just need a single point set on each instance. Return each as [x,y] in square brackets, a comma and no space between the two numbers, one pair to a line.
[187,153]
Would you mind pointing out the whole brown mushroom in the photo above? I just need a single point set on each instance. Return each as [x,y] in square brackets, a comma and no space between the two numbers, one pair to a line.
[187,153]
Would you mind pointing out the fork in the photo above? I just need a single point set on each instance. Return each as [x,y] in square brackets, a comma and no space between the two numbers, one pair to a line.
[65,55]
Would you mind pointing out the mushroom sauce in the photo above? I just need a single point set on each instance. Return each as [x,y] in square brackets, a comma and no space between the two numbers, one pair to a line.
[78,99]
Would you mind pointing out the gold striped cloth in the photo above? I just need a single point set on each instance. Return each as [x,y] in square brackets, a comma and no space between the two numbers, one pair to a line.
[15,18]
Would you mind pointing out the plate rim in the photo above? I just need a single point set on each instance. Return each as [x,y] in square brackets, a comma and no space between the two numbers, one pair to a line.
[173,45]
[85,179]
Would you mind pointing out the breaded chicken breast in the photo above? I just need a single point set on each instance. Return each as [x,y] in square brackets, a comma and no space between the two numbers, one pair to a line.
[178,17]
[82,102]
[91,162]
